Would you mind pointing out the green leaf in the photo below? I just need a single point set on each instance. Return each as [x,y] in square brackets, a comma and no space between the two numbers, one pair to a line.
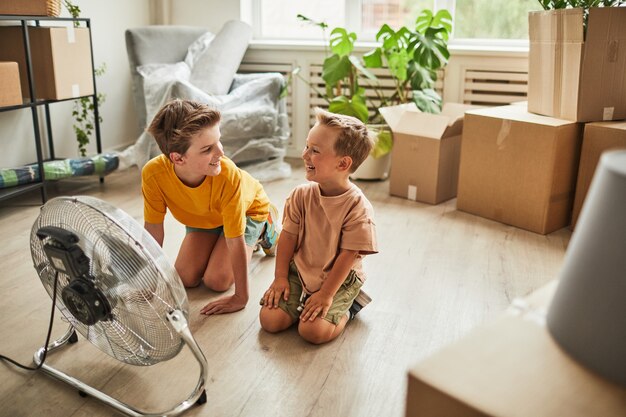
[310,21]
[335,69]
[359,66]
[355,107]
[382,144]
[427,100]
[374,58]
[342,42]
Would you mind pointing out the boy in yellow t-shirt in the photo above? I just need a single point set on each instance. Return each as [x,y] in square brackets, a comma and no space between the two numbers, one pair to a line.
[327,229]
[225,211]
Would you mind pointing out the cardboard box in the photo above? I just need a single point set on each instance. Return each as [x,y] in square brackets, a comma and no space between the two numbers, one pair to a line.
[573,78]
[598,138]
[10,91]
[26,7]
[519,168]
[61,59]
[426,150]
[510,368]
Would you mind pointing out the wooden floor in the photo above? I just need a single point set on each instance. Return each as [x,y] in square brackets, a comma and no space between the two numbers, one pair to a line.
[439,273]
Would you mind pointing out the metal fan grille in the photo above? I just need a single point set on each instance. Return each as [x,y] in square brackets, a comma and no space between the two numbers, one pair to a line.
[128,267]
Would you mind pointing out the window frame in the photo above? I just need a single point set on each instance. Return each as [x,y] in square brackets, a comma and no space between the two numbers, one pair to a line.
[251,13]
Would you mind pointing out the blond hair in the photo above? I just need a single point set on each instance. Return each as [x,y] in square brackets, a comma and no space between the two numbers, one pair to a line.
[353,140]
[177,121]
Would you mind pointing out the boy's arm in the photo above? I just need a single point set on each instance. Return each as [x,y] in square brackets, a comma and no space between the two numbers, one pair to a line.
[239,261]
[156,230]
[319,302]
[280,285]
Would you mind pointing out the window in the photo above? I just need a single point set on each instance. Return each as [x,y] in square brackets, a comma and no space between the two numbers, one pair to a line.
[475,21]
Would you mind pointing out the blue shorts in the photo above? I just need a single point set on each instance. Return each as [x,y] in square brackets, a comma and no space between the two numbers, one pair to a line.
[254,228]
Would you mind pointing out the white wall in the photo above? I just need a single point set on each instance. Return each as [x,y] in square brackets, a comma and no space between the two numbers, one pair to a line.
[109,20]
[211,14]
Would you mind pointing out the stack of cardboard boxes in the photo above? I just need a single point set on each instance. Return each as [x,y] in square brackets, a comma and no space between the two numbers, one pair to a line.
[519,164]
[60,57]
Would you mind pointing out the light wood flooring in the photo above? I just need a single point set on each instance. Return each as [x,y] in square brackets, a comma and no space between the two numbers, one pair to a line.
[439,273]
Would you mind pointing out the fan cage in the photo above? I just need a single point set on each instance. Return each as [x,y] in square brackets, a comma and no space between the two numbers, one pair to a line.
[128,267]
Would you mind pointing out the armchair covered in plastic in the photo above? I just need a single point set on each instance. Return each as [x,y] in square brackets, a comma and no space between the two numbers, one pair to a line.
[168,62]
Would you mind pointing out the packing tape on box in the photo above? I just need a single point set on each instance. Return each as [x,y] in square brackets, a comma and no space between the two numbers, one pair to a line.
[503,134]
[522,308]
[607,113]
[75,90]
[71,35]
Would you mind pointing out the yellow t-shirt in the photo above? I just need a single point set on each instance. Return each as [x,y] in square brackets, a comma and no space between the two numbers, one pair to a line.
[224,200]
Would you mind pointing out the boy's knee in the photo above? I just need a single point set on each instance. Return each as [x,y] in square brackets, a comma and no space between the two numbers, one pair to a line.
[313,333]
[218,282]
[189,280]
[272,321]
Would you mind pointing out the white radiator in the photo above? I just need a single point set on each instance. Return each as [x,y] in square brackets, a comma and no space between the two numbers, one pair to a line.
[492,87]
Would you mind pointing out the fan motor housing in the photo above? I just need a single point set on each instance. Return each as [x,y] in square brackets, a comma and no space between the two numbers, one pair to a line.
[86,302]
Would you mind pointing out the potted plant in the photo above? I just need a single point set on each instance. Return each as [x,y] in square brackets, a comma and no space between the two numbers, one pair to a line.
[413,59]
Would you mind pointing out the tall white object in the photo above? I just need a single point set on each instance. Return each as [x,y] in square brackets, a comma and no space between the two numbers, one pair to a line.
[587,316]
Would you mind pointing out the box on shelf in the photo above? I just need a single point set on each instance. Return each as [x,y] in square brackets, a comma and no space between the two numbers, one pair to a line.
[519,168]
[574,78]
[425,154]
[510,367]
[30,7]
[61,60]
[10,91]
[598,138]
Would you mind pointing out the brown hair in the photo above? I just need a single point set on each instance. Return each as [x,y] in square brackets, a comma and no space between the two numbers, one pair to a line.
[354,140]
[177,121]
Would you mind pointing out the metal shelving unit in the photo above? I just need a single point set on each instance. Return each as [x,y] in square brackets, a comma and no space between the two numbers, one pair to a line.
[34,105]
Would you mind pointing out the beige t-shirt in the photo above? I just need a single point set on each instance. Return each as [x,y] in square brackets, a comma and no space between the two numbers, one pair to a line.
[324,225]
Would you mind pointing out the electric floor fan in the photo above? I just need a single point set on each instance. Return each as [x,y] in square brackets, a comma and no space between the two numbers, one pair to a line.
[113,284]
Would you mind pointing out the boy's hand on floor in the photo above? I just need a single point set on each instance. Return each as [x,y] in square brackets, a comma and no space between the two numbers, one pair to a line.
[223,305]
[317,304]
[279,287]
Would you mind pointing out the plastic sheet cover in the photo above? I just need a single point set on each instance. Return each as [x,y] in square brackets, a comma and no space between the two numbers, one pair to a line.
[254,125]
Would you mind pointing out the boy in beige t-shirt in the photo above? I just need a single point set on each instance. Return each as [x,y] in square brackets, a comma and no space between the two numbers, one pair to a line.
[327,229]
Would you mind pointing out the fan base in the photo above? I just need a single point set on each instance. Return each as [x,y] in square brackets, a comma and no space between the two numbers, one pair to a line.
[198,395]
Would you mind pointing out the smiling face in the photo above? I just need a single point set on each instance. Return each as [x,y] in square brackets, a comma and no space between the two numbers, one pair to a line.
[202,158]
[321,162]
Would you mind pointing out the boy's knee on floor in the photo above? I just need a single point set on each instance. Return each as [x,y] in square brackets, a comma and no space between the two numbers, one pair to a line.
[316,332]
[274,320]
[218,282]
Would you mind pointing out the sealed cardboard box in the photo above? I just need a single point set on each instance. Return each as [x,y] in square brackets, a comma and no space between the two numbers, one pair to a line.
[426,149]
[519,168]
[574,78]
[61,59]
[598,138]
[30,7]
[510,368]
[10,91]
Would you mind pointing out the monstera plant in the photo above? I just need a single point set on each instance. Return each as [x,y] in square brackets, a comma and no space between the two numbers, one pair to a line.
[342,72]
[412,57]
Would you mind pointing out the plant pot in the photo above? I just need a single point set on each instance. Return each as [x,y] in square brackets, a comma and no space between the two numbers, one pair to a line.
[373,168]
[376,166]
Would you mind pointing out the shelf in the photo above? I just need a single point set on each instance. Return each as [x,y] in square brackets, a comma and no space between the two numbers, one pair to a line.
[43,18]
[40,103]
[10,192]
[34,104]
